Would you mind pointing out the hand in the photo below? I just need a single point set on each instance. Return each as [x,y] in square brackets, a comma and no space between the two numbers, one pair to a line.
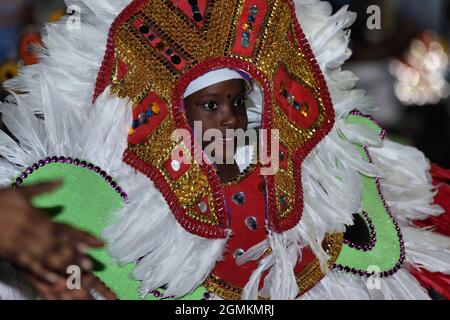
[59,290]
[43,249]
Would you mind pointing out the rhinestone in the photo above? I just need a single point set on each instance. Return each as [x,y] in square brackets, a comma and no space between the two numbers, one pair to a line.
[193,2]
[175,165]
[197,17]
[290,99]
[251,223]
[251,19]
[156,293]
[245,43]
[155,108]
[254,9]
[203,207]
[151,37]
[144,29]
[283,201]
[281,156]
[175,59]
[148,113]
[247,26]
[160,45]
[296,105]
[239,198]
[246,35]
[304,109]
[238,252]
[142,118]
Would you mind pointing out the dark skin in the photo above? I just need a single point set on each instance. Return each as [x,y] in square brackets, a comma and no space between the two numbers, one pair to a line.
[41,250]
[220,106]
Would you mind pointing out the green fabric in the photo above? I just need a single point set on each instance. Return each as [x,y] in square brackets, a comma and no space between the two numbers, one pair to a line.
[386,252]
[87,202]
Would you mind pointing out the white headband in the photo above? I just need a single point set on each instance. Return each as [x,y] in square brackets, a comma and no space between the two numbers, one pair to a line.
[211,78]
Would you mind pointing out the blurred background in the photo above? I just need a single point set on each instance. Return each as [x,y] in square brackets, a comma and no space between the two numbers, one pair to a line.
[404,64]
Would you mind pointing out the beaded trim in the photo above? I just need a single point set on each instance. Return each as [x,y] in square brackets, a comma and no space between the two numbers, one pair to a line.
[373,235]
[359,113]
[401,261]
[76,162]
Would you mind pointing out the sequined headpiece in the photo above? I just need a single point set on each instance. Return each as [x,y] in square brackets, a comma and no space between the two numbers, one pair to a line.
[157,47]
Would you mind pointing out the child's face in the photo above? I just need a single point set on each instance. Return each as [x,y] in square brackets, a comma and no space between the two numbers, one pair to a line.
[220,106]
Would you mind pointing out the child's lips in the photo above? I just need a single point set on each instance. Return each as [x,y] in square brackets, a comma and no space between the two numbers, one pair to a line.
[226,140]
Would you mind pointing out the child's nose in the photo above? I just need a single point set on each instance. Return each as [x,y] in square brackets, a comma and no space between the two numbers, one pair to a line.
[229,119]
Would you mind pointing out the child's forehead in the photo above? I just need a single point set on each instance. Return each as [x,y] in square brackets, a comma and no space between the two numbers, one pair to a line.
[229,88]
[220,79]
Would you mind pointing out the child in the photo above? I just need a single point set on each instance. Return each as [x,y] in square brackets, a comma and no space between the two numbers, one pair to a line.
[227,228]
[217,101]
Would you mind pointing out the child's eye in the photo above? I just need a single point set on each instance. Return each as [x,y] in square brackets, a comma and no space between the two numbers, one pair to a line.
[210,105]
[240,103]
